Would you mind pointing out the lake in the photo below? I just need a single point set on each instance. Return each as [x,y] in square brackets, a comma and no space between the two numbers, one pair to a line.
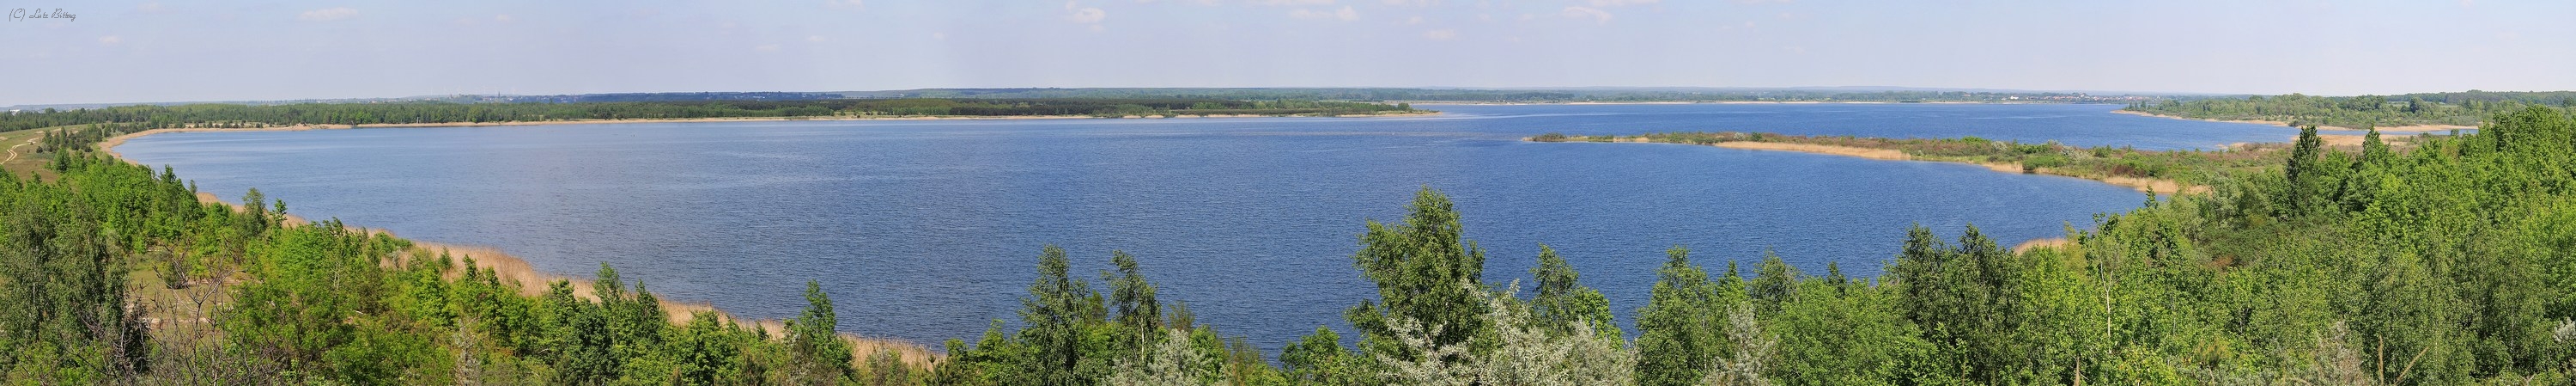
[928,230]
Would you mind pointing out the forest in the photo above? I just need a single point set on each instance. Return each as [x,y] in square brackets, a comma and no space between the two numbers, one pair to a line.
[2445,263]
[231,115]
[2362,112]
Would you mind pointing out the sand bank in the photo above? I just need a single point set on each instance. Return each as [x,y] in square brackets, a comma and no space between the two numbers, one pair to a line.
[2383,129]
[1862,152]
[2141,184]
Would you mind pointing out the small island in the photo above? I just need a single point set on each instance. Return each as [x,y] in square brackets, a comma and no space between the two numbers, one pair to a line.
[2154,171]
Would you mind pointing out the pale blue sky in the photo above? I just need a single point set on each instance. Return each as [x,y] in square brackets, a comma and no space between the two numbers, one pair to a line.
[121,51]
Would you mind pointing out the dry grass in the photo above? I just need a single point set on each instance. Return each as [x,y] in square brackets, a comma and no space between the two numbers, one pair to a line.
[2053,242]
[20,149]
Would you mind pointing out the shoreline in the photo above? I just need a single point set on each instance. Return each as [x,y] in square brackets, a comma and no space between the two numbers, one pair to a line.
[2411,129]
[857,118]
[2141,184]
[109,145]
[532,282]
[1475,103]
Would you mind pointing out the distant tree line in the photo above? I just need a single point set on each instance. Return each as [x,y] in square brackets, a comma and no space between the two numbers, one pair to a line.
[224,115]
[2449,108]
[1530,95]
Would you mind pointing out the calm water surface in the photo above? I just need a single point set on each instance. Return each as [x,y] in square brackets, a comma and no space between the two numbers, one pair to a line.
[928,230]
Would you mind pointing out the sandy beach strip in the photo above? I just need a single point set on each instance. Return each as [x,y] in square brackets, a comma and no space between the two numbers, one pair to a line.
[2384,129]
[534,283]
[2159,186]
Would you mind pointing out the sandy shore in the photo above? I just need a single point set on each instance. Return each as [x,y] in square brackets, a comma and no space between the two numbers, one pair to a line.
[2141,184]
[2383,129]
[1435,103]
[534,283]
[1877,154]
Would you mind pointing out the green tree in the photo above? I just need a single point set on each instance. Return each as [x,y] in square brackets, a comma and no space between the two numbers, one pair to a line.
[1057,312]
[1681,331]
[1563,303]
[1418,267]
[819,354]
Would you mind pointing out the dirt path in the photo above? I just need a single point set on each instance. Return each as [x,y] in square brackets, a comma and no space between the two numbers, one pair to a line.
[13,149]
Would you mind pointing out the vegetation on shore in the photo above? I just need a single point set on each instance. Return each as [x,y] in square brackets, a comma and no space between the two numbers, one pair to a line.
[1643,94]
[2453,263]
[2184,168]
[2362,112]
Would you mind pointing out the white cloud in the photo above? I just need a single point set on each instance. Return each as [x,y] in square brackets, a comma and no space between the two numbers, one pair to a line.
[1597,15]
[1415,3]
[327,14]
[1345,14]
[1084,15]
[110,40]
[765,48]
[503,18]
[1615,3]
[853,4]
[150,7]
[1291,2]
[939,35]
[816,38]
[1440,34]
[1413,20]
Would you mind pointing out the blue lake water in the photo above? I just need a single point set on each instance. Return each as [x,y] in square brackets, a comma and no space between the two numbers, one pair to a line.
[928,230]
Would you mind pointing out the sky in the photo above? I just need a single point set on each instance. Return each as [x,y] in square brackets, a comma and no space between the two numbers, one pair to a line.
[167,51]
